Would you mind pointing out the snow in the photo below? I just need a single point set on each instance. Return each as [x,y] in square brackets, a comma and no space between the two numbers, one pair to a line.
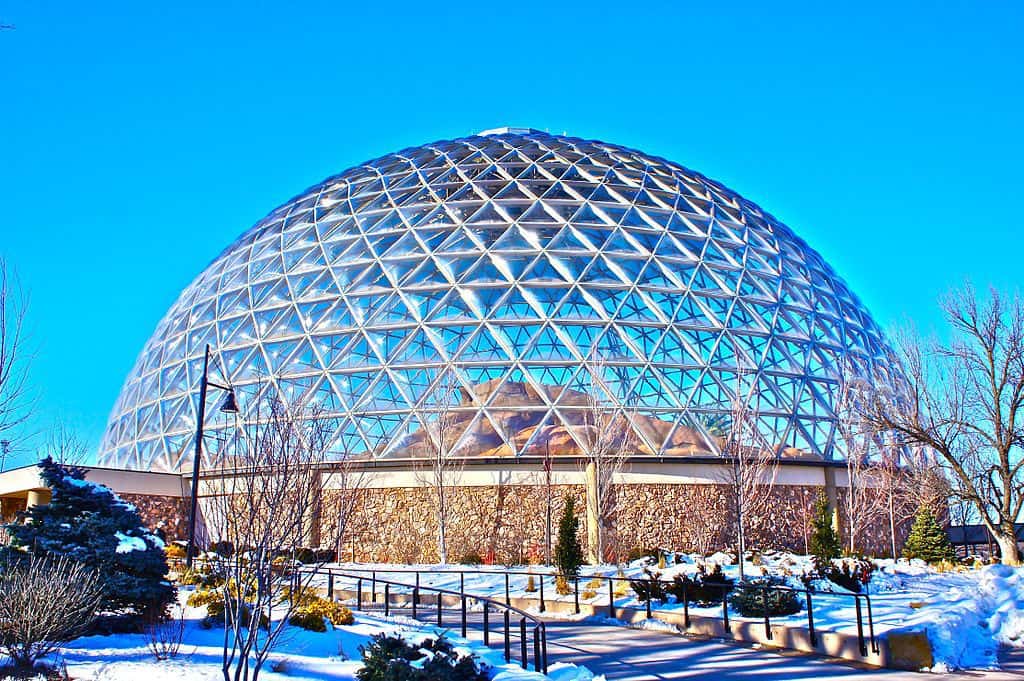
[127,544]
[300,655]
[967,613]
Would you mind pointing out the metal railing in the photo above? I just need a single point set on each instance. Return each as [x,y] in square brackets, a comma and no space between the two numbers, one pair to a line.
[536,630]
[863,618]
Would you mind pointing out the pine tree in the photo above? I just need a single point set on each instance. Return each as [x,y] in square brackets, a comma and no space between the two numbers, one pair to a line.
[89,523]
[568,552]
[927,540]
[824,542]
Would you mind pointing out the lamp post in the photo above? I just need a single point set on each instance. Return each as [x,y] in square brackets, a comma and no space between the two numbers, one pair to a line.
[229,406]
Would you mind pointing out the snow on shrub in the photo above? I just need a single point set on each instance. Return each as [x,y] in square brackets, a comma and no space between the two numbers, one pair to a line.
[752,599]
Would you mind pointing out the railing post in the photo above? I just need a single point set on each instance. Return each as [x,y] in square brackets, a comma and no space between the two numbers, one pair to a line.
[373,586]
[387,599]
[649,604]
[440,596]
[611,599]
[536,648]
[541,576]
[860,628]
[871,625]
[686,607]
[487,622]
[810,621]
[508,599]
[359,593]
[462,583]
[522,643]
[544,648]
[415,599]
[416,592]
[508,646]
[330,584]
[725,609]
[463,606]
[764,604]
[576,593]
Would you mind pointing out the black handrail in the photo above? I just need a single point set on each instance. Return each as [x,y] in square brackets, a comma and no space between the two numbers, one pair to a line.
[863,639]
[539,629]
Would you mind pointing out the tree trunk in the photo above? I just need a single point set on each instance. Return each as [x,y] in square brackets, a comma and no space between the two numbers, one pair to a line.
[1008,544]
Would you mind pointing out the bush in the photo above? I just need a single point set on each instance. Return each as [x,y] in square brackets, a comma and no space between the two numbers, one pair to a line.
[704,588]
[927,540]
[650,588]
[390,658]
[92,525]
[852,573]
[471,558]
[824,541]
[44,603]
[568,552]
[562,587]
[308,620]
[174,551]
[163,636]
[749,599]
[314,612]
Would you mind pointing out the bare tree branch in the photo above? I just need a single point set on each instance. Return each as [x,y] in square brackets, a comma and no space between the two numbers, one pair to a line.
[964,402]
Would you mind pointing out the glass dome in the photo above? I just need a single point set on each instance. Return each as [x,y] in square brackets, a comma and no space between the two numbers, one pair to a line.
[513,279]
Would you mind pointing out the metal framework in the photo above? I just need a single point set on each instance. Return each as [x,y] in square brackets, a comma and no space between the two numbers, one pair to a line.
[512,278]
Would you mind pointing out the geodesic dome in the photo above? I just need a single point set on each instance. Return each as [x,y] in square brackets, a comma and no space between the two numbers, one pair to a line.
[514,280]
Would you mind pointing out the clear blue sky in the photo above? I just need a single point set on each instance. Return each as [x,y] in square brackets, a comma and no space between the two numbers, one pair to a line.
[139,139]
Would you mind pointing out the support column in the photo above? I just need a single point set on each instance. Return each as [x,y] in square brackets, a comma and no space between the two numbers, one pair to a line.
[592,514]
[832,494]
[37,497]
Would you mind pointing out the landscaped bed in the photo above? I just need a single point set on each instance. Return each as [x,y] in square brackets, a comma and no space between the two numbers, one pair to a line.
[302,655]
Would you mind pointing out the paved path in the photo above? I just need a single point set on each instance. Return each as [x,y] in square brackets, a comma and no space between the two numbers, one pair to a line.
[623,653]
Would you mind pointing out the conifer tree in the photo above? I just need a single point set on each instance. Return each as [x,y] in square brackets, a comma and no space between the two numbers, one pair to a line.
[824,542]
[927,540]
[568,552]
[89,523]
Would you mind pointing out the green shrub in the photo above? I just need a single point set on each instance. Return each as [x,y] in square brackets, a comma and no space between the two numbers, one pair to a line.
[704,588]
[568,552]
[749,599]
[927,540]
[824,542]
[650,588]
[390,658]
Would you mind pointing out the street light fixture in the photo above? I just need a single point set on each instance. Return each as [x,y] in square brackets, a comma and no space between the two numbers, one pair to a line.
[229,406]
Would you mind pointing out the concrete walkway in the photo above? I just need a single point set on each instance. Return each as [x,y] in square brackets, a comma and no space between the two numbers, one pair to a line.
[622,653]
[626,654]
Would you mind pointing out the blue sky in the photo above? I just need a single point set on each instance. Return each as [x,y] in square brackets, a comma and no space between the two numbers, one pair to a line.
[139,139]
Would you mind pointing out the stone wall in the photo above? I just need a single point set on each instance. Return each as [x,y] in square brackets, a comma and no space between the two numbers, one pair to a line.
[507,523]
[169,514]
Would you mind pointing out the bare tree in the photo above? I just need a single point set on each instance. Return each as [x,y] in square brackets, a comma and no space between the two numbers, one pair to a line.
[264,498]
[441,470]
[861,504]
[15,400]
[63,445]
[752,466]
[44,603]
[605,435]
[965,403]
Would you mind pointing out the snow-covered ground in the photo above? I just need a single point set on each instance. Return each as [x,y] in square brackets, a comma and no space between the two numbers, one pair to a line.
[301,656]
[967,614]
